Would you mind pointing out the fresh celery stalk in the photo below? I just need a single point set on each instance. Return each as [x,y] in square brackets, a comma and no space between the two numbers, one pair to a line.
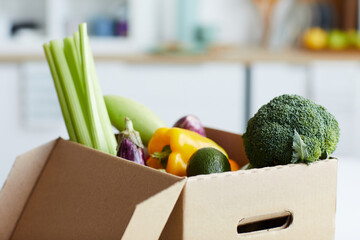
[63,105]
[73,69]
[74,64]
[71,97]
[96,131]
[103,114]
[76,37]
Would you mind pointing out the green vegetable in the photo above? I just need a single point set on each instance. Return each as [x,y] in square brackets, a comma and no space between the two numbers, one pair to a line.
[72,100]
[144,120]
[207,160]
[82,105]
[96,131]
[61,96]
[290,129]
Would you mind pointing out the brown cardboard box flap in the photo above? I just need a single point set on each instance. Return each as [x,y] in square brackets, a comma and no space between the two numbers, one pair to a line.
[150,216]
[19,184]
[85,194]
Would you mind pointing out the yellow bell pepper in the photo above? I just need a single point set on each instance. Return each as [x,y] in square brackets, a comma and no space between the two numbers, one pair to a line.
[183,143]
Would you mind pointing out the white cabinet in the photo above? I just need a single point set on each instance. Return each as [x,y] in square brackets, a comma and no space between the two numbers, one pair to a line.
[55,19]
[336,86]
[212,91]
[29,114]
[269,80]
[8,117]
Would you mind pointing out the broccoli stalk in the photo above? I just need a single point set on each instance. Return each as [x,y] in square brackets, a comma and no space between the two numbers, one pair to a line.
[290,129]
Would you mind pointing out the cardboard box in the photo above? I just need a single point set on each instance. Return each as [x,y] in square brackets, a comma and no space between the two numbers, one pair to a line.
[63,190]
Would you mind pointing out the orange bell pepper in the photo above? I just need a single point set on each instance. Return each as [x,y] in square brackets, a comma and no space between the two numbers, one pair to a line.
[234,165]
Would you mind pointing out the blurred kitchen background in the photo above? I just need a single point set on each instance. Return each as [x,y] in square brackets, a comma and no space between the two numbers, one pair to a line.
[218,59]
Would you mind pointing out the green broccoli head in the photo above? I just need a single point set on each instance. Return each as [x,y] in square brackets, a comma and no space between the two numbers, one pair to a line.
[290,129]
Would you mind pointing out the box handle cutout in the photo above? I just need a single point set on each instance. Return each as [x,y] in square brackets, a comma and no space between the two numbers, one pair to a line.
[269,222]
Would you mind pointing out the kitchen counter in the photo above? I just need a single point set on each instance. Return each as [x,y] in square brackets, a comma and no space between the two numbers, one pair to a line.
[14,52]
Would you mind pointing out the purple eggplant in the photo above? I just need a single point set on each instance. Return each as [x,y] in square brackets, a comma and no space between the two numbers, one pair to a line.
[130,146]
[191,123]
[128,150]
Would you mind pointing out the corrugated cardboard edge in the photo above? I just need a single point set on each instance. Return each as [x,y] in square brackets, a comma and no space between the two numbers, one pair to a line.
[150,216]
[261,170]
[19,185]
[174,228]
